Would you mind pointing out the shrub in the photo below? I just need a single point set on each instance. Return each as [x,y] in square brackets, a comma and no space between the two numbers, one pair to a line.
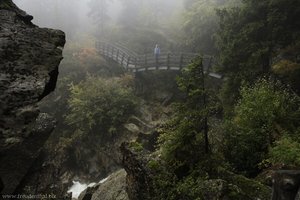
[136,146]
[265,112]
[286,151]
[99,104]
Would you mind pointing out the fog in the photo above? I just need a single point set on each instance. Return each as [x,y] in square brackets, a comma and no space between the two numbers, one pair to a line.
[101,17]
[197,93]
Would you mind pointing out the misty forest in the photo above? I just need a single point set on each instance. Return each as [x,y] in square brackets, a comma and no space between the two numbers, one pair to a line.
[150,99]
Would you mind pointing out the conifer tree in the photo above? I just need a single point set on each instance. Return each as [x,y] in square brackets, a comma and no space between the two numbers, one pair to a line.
[185,137]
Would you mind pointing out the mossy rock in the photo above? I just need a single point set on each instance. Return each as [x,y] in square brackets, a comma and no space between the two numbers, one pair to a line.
[6,4]
[242,188]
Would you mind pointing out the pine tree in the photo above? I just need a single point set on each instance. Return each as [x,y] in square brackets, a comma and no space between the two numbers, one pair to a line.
[185,137]
[252,37]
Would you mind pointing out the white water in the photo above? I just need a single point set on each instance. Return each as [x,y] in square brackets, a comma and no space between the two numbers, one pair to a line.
[103,180]
[78,187]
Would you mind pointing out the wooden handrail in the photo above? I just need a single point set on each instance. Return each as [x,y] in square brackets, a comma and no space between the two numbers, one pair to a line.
[133,62]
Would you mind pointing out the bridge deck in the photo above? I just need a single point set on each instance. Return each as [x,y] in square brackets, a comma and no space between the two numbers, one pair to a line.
[133,62]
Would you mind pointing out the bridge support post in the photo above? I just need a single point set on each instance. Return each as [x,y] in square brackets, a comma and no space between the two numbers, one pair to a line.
[128,62]
[104,46]
[101,47]
[209,65]
[107,50]
[112,52]
[123,56]
[181,61]
[145,57]
[118,56]
[156,61]
[168,61]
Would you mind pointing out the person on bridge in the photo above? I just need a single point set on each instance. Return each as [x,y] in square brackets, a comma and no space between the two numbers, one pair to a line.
[156,53]
[156,50]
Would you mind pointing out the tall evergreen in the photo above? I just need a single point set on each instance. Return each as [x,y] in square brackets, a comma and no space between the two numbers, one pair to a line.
[252,37]
[185,138]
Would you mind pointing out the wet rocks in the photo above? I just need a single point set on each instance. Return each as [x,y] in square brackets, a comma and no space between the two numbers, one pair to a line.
[114,188]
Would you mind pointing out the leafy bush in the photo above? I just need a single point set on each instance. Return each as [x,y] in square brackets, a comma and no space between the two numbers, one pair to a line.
[99,104]
[136,146]
[286,151]
[200,184]
[264,112]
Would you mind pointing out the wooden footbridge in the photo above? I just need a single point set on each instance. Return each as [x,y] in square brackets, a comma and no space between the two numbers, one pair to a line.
[133,62]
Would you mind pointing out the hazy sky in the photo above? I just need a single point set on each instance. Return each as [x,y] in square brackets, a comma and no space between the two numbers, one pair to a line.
[72,17]
[56,13]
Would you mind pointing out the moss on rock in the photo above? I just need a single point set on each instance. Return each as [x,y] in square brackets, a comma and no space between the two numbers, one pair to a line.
[6,4]
[242,188]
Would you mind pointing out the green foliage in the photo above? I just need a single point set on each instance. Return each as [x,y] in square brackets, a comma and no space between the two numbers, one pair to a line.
[251,36]
[169,187]
[66,143]
[201,24]
[99,104]
[286,151]
[287,66]
[266,103]
[136,146]
[153,165]
[185,137]
[190,188]
[80,60]
[209,179]
[181,144]
[240,187]
[164,184]
[187,159]
[265,111]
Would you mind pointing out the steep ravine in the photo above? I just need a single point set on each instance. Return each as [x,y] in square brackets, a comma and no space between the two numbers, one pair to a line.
[142,138]
[139,133]
[29,60]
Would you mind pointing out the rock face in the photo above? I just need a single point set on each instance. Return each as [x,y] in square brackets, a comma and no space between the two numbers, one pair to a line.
[29,59]
[286,185]
[112,189]
[139,178]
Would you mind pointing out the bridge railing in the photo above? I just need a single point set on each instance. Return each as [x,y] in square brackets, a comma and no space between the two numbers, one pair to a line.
[115,53]
[165,61]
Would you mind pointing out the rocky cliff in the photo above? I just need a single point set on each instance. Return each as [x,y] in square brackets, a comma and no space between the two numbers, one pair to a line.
[29,59]
[139,183]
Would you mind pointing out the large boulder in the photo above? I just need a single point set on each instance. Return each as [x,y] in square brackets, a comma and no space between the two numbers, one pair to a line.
[139,178]
[113,188]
